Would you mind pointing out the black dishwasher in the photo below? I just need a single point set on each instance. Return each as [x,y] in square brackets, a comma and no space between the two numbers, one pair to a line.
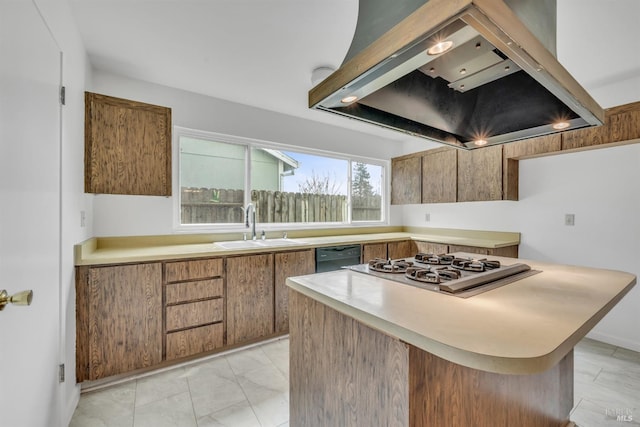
[334,257]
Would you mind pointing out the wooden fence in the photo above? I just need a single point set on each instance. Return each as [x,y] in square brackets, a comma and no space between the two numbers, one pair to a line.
[209,205]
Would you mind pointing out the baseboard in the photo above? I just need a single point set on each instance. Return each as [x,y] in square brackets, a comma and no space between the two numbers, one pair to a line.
[72,404]
[614,340]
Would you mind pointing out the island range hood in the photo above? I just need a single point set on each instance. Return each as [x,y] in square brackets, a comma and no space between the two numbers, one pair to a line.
[468,73]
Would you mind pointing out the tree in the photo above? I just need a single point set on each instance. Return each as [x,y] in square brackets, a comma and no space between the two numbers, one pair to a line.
[361,187]
[316,184]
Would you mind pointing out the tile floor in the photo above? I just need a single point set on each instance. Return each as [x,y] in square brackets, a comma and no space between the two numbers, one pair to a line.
[250,388]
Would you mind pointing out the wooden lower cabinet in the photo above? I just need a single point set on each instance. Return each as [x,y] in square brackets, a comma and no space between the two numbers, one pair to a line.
[401,249]
[195,340]
[431,248]
[194,307]
[118,319]
[344,373]
[393,250]
[507,251]
[250,294]
[374,250]
[288,264]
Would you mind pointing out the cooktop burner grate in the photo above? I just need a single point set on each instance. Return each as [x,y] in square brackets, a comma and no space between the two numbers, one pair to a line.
[446,273]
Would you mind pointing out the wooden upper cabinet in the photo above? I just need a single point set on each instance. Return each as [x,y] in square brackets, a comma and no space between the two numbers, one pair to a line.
[527,148]
[440,176]
[406,179]
[622,124]
[480,174]
[127,147]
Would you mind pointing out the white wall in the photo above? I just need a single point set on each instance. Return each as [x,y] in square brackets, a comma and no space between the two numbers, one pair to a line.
[75,74]
[144,215]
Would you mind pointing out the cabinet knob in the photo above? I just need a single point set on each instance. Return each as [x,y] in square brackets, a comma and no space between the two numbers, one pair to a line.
[21,298]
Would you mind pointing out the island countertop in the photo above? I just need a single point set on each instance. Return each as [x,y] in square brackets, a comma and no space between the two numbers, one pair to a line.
[524,327]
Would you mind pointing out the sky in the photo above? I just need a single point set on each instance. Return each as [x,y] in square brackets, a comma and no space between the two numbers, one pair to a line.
[335,169]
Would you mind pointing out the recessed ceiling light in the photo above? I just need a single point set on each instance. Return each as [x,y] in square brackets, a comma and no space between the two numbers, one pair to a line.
[560,125]
[440,47]
[348,99]
[480,142]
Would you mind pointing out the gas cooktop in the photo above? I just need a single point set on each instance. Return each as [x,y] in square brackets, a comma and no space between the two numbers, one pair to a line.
[446,273]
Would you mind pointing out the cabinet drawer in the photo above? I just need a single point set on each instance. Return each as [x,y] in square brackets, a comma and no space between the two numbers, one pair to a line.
[194,314]
[189,291]
[196,269]
[194,341]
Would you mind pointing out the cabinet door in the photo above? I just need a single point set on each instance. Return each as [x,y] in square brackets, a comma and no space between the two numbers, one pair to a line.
[249,298]
[406,180]
[440,176]
[288,264]
[508,251]
[480,174]
[401,249]
[127,147]
[431,248]
[374,250]
[124,318]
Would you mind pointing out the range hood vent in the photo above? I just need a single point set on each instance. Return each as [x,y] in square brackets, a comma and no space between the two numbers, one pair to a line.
[468,73]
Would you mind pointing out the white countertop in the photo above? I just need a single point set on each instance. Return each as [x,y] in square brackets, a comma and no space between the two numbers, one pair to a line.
[116,250]
[520,328]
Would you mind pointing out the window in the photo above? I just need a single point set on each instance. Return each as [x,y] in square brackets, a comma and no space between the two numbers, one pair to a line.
[219,175]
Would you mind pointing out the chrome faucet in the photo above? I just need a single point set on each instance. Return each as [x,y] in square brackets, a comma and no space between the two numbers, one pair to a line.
[252,208]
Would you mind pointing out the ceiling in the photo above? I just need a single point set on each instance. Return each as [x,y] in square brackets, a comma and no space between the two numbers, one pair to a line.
[262,52]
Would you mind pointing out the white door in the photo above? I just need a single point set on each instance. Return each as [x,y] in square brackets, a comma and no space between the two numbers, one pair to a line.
[29,216]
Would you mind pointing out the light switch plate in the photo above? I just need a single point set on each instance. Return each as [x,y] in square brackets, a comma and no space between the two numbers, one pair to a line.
[569,219]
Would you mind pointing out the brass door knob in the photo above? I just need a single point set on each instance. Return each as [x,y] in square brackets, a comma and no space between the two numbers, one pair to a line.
[21,298]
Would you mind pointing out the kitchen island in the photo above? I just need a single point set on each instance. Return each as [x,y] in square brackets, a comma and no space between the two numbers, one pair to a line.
[369,351]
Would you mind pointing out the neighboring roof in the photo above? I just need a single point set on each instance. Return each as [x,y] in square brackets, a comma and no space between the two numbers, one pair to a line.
[281,156]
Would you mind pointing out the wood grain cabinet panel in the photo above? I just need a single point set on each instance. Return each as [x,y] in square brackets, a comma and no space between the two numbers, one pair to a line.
[190,291]
[374,250]
[507,251]
[250,295]
[622,123]
[127,147]
[480,174]
[440,176]
[406,179]
[120,316]
[193,341]
[431,248]
[193,269]
[288,264]
[402,249]
[514,151]
[194,314]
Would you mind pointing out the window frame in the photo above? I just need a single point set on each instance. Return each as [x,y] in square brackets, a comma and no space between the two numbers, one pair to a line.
[250,143]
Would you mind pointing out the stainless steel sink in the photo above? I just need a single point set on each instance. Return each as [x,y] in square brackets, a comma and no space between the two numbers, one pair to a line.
[252,244]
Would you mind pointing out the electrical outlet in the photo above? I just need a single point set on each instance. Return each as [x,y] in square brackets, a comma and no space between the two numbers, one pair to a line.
[427,217]
[569,219]
[83,218]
